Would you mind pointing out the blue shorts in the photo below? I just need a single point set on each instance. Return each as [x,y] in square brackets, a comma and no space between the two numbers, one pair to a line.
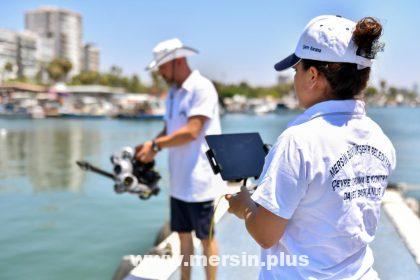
[189,216]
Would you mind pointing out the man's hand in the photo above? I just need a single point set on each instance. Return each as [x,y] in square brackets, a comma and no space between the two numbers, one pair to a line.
[145,153]
[240,202]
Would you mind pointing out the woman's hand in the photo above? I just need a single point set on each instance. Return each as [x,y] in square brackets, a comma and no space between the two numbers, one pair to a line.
[265,227]
[240,203]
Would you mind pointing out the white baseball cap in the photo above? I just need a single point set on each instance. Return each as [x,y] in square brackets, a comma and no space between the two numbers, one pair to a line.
[326,38]
[169,50]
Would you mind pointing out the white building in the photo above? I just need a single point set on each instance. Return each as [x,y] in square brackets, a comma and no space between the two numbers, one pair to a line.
[60,28]
[27,64]
[8,53]
[44,50]
[91,58]
[19,49]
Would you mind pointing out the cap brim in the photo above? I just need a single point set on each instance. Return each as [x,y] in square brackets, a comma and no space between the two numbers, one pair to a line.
[286,63]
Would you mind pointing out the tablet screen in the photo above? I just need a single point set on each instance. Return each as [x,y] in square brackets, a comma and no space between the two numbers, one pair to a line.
[237,156]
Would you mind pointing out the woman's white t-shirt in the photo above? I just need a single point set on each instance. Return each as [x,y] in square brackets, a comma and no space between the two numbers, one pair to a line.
[326,174]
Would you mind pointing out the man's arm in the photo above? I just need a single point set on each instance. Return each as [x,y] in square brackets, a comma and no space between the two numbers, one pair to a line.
[182,136]
[161,133]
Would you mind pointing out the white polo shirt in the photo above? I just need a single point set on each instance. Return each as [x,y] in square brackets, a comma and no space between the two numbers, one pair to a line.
[191,176]
[326,174]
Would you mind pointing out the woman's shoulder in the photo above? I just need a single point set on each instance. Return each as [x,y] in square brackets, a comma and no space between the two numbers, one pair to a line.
[304,133]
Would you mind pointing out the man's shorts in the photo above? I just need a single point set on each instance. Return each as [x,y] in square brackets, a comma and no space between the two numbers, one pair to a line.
[189,216]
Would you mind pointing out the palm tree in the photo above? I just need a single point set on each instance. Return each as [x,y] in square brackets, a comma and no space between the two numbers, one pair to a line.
[8,67]
[382,84]
[58,69]
[158,84]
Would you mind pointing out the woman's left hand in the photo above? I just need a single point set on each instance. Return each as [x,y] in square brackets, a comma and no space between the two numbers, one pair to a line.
[239,202]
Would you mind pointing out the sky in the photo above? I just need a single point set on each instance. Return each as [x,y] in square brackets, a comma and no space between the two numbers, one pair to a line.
[238,40]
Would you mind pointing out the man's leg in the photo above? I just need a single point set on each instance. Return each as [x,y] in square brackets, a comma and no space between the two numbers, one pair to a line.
[202,215]
[181,223]
[187,250]
[210,249]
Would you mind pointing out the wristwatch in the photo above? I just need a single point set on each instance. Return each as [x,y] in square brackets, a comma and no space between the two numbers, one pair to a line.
[155,146]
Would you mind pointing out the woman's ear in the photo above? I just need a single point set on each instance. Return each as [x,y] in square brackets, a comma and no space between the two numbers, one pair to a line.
[313,74]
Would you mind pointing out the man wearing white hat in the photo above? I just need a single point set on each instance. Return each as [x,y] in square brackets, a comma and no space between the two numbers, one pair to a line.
[192,112]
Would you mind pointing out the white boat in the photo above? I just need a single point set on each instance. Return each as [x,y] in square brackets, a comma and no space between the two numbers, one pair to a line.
[36,112]
[260,106]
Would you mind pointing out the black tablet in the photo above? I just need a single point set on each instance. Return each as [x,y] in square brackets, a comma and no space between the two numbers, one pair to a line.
[236,156]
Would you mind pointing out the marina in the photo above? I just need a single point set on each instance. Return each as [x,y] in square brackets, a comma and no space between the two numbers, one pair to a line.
[95,102]
[77,102]
[20,100]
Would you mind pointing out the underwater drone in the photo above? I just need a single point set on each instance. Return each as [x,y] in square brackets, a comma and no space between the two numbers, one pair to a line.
[129,174]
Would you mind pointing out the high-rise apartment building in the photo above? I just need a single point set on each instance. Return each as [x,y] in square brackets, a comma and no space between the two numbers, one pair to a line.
[8,53]
[61,29]
[18,50]
[91,58]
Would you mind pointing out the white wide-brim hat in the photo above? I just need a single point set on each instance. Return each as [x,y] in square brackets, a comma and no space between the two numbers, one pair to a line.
[169,50]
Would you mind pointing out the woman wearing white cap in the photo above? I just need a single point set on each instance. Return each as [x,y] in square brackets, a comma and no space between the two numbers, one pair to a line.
[317,204]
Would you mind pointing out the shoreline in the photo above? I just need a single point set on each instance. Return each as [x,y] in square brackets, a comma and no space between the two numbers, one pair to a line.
[404,219]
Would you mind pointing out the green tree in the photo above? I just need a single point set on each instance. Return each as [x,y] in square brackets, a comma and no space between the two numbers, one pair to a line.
[371,91]
[115,71]
[382,84]
[22,79]
[40,74]
[392,92]
[87,78]
[58,69]
[104,80]
[245,89]
[158,84]
[229,90]
[8,67]
[224,91]
[114,78]
[283,89]
[135,84]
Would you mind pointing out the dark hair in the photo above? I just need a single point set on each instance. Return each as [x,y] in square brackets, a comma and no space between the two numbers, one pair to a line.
[345,80]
